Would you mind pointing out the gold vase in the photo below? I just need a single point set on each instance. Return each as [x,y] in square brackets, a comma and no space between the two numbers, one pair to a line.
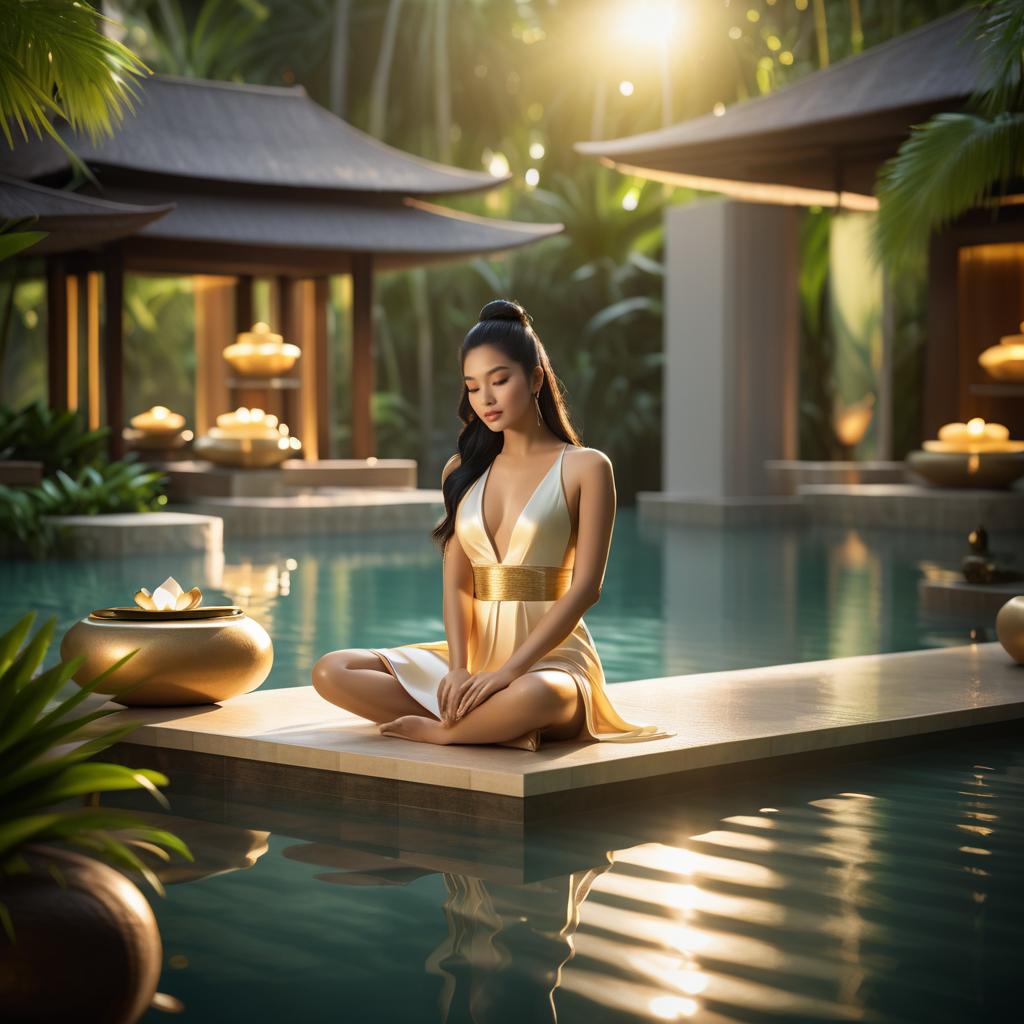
[1010,628]
[201,656]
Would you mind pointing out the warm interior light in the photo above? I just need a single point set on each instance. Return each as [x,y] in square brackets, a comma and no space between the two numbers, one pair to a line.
[159,419]
[973,438]
[626,88]
[852,421]
[1005,361]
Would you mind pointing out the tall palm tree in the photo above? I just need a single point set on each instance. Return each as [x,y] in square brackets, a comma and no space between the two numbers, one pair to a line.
[956,161]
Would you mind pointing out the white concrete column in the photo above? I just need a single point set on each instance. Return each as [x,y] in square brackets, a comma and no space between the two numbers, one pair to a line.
[731,343]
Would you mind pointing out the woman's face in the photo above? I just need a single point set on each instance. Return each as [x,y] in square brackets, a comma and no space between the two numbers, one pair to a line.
[499,392]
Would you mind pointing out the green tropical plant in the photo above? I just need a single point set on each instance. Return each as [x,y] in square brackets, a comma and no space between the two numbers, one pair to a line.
[37,782]
[103,489]
[56,438]
[956,161]
[24,527]
[56,62]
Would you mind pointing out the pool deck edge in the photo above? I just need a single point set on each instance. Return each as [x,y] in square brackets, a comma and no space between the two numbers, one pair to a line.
[720,719]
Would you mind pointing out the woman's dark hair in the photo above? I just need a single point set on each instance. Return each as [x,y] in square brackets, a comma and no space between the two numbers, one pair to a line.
[508,327]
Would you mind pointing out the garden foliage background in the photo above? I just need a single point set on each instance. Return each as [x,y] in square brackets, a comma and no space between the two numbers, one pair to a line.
[499,84]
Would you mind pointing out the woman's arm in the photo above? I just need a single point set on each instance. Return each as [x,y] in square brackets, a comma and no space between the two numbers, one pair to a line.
[593,543]
[458,592]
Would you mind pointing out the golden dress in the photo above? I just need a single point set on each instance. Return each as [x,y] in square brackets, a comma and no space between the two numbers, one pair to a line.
[542,536]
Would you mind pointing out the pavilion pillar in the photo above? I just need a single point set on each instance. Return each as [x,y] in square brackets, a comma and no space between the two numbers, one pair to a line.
[363,440]
[243,304]
[732,325]
[57,331]
[215,321]
[113,349]
[94,412]
[324,377]
[289,308]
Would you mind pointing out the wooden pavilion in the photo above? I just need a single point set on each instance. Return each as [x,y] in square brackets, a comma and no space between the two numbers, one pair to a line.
[822,141]
[244,181]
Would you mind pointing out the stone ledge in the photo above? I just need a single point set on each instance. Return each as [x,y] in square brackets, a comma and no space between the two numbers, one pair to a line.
[751,717]
[667,507]
[138,533]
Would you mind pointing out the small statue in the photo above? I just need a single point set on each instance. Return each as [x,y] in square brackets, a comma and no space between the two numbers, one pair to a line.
[980,566]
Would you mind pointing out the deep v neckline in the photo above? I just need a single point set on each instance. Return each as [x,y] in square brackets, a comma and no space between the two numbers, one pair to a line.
[529,501]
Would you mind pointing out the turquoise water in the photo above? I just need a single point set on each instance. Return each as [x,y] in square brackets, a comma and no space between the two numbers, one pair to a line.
[885,891]
[882,891]
[675,600]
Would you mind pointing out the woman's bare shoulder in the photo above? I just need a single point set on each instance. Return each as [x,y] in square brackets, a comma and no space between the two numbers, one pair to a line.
[590,459]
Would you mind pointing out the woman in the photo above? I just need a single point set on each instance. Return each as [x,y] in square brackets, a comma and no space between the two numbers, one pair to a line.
[519,664]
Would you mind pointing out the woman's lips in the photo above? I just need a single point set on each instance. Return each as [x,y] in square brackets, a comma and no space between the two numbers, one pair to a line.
[491,415]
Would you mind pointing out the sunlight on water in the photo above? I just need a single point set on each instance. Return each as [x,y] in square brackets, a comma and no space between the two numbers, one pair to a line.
[845,896]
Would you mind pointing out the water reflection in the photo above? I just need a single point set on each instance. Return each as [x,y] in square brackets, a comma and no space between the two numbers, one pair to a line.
[883,891]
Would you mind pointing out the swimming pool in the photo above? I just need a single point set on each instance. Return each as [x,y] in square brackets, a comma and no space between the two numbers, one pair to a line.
[887,890]
[675,599]
[881,891]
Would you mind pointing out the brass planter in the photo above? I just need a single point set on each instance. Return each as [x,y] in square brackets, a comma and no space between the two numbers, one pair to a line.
[201,656]
[992,470]
[244,452]
[1010,628]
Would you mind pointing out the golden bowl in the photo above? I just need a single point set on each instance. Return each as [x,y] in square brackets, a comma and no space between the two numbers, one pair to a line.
[245,452]
[1010,628]
[156,441]
[990,470]
[261,360]
[202,656]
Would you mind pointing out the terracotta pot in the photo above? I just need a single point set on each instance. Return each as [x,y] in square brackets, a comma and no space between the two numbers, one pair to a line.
[88,952]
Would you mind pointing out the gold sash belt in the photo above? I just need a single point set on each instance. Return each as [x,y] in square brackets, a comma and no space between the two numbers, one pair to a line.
[520,582]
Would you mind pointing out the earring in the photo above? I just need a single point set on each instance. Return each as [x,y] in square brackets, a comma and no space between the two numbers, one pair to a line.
[536,402]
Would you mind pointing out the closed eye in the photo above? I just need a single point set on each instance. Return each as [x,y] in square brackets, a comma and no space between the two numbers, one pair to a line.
[474,391]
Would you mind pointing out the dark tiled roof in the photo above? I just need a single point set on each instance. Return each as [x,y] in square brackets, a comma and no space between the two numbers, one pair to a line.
[857,111]
[245,134]
[72,221]
[401,232]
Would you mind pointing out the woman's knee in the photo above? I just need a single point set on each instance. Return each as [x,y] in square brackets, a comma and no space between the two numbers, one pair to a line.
[329,671]
[553,696]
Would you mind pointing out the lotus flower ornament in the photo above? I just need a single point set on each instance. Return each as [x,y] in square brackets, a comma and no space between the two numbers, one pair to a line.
[169,597]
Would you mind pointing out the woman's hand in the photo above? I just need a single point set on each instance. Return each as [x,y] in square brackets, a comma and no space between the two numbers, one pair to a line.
[478,688]
[451,689]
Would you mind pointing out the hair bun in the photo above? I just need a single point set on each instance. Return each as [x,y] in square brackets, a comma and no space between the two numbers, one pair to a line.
[504,309]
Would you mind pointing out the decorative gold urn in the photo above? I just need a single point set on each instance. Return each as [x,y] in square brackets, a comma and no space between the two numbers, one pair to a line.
[1010,628]
[157,430]
[247,439]
[185,654]
[971,454]
[261,353]
[1005,361]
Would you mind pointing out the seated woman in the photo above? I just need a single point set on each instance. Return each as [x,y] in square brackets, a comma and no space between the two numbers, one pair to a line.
[519,664]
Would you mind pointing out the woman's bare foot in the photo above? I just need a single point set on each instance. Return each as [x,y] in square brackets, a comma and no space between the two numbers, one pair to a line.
[416,727]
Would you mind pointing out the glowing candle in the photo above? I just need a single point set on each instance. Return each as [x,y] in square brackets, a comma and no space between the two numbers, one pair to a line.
[973,438]
[158,420]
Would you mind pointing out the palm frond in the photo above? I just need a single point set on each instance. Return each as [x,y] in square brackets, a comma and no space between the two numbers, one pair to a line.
[947,166]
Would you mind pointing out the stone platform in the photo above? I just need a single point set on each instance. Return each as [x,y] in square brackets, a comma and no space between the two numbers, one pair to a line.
[963,600]
[735,724]
[326,511]
[913,506]
[687,510]
[190,481]
[119,535]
